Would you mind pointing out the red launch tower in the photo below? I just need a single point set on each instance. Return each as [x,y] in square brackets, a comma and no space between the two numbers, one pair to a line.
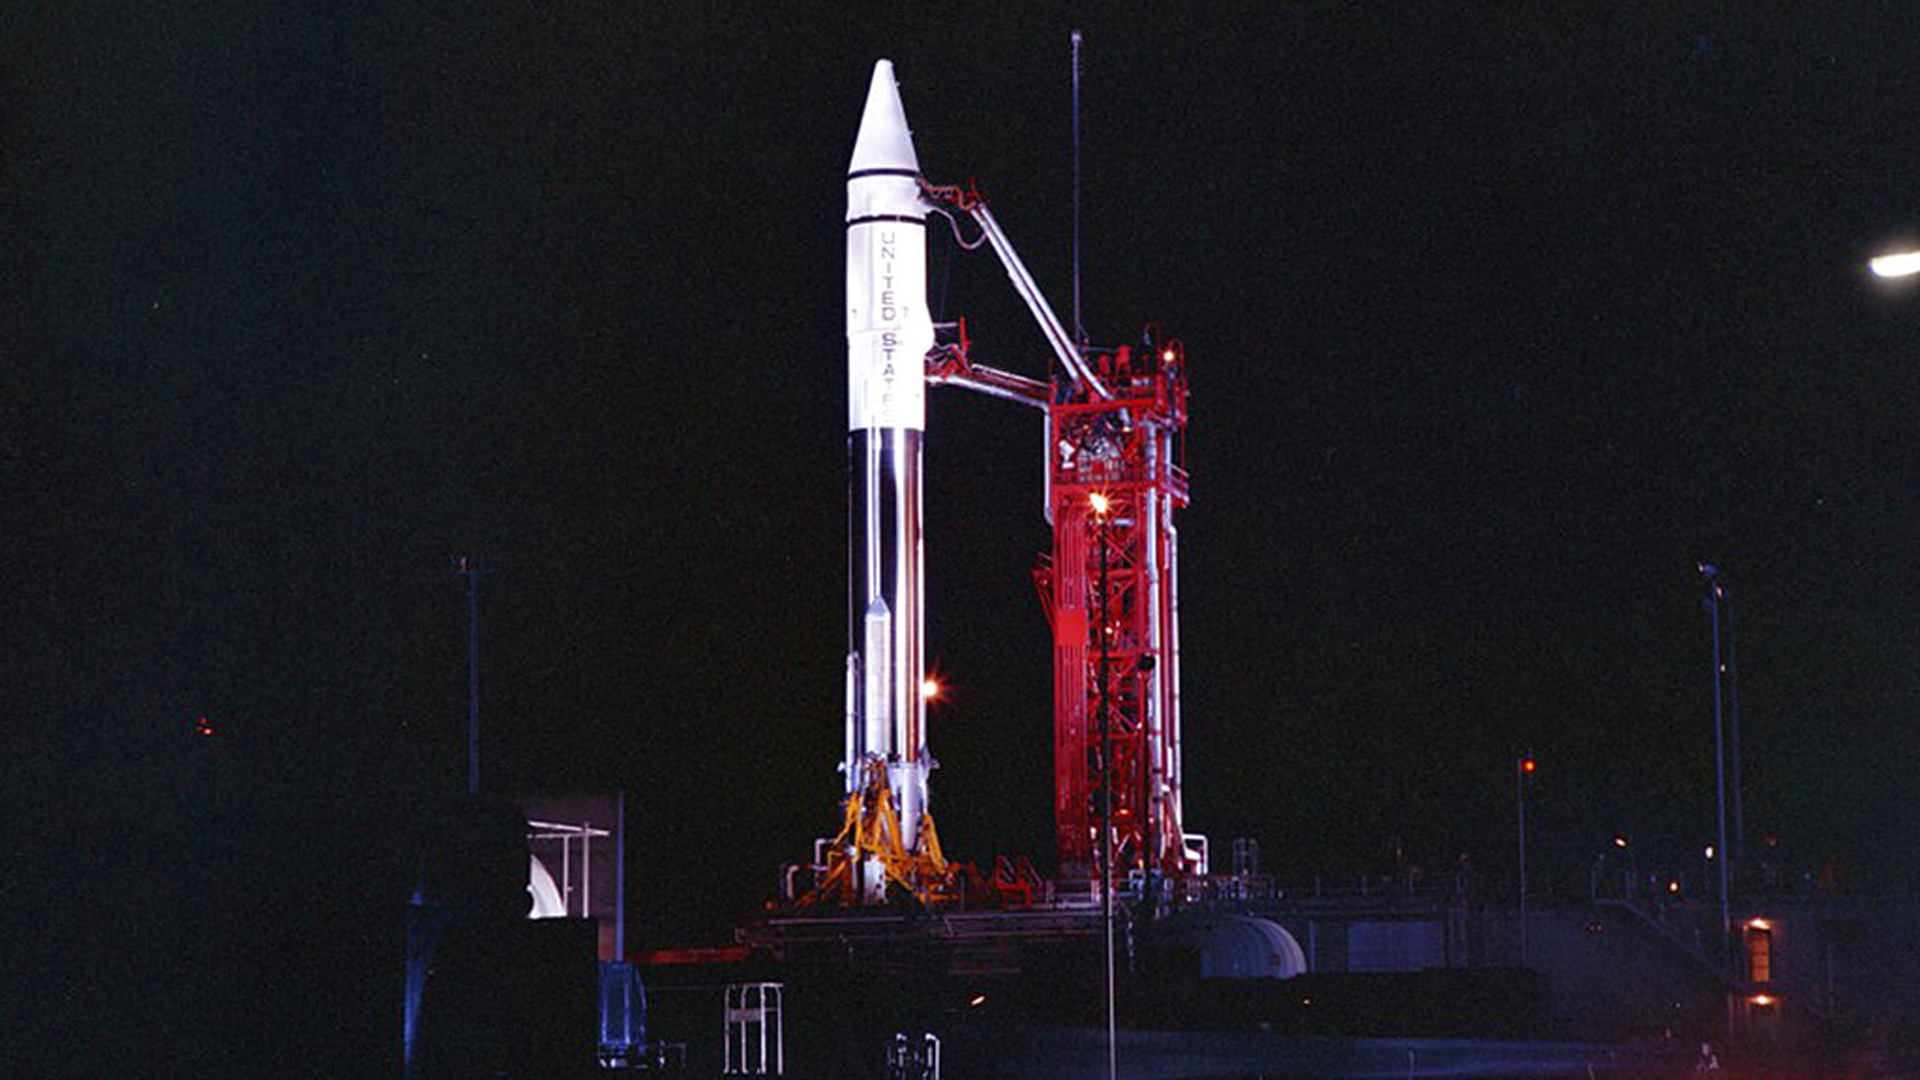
[1116,418]
[1111,591]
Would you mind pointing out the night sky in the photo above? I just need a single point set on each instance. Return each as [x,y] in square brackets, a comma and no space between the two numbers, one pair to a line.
[1497,324]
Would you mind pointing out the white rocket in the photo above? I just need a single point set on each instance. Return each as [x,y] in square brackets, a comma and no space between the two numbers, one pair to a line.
[889,332]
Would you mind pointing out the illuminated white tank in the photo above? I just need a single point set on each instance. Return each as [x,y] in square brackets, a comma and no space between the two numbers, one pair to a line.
[889,331]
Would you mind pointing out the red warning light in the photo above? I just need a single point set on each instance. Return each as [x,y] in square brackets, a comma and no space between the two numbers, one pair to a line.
[203,727]
[1526,764]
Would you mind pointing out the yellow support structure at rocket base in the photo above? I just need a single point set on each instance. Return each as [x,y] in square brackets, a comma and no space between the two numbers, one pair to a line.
[871,834]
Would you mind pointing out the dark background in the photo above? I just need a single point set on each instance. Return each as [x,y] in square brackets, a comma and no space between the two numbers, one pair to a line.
[1498,324]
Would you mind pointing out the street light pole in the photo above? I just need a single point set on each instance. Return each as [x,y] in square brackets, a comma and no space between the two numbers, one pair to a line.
[1522,766]
[1738,849]
[1711,573]
[471,568]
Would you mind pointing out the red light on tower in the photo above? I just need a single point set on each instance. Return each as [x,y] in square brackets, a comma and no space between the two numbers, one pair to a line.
[1526,763]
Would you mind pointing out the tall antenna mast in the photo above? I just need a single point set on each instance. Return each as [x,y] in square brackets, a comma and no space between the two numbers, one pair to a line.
[1079,327]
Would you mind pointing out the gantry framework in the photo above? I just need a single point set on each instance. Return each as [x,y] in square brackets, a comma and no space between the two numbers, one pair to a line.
[1111,591]
[1115,422]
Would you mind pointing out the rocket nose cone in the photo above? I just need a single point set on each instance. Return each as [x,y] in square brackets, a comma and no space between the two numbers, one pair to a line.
[884,141]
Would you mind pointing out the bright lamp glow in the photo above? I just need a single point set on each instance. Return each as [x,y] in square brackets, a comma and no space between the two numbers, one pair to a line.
[929,688]
[1099,503]
[1898,264]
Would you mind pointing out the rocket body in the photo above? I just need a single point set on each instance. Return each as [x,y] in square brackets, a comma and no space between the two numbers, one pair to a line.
[889,332]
